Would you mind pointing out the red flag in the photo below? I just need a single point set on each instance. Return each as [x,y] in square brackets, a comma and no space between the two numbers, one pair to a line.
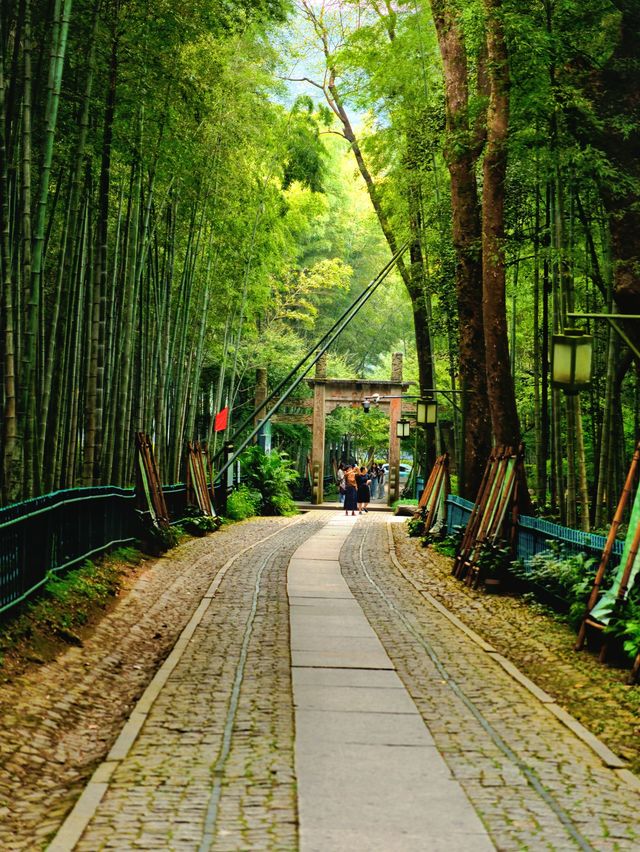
[220,423]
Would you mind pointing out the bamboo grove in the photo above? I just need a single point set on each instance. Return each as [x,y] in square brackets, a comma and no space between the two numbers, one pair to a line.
[172,217]
[134,148]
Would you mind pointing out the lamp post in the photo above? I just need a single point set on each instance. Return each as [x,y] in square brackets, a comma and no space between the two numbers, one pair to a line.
[571,359]
[403,428]
[426,412]
[426,415]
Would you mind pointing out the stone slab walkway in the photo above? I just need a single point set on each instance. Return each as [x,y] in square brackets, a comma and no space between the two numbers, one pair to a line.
[369,773]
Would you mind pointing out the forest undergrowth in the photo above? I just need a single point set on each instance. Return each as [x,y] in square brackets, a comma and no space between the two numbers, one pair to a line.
[66,610]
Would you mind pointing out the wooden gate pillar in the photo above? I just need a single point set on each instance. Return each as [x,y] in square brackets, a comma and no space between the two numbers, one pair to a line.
[395,413]
[317,432]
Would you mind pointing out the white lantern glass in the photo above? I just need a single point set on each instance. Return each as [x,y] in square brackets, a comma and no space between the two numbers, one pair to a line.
[426,412]
[571,360]
[402,428]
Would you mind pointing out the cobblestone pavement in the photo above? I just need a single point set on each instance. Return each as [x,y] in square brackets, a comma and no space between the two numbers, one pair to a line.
[534,784]
[541,644]
[217,747]
[59,720]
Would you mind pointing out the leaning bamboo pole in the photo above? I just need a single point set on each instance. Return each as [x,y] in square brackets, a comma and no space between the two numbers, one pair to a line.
[476,513]
[487,515]
[624,583]
[441,464]
[608,548]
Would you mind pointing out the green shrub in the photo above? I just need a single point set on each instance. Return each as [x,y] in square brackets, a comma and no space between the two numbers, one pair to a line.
[155,540]
[415,526]
[494,559]
[568,576]
[625,623]
[449,545]
[243,503]
[272,475]
[200,525]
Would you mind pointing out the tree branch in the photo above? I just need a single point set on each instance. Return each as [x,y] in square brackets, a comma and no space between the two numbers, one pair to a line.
[303,80]
[334,132]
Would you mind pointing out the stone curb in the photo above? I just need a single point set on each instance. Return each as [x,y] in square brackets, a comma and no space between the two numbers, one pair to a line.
[608,758]
[84,809]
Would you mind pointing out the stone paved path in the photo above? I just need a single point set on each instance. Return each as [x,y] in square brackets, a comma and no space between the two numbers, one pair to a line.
[57,721]
[369,773]
[213,765]
[533,783]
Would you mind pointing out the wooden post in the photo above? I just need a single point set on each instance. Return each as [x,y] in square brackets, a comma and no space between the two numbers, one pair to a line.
[317,435]
[395,413]
[261,394]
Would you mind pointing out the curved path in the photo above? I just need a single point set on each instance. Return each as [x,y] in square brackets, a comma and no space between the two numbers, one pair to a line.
[316,700]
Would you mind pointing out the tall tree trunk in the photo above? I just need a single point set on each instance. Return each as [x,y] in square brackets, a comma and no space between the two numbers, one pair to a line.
[10,460]
[29,390]
[603,498]
[502,400]
[616,91]
[68,255]
[538,385]
[124,433]
[461,158]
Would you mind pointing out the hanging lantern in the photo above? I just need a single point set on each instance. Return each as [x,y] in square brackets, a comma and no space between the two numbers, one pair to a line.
[426,412]
[571,359]
[402,428]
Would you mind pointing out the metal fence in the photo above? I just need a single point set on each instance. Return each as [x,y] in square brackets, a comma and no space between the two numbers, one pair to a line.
[534,534]
[60,530]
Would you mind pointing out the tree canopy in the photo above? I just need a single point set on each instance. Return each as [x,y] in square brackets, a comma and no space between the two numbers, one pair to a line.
[191,191]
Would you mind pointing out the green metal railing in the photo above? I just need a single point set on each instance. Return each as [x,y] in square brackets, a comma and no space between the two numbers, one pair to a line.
[534,535]
[54,532]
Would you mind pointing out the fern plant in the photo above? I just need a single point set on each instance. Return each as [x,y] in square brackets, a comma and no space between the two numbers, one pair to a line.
[271,474]
[567,576]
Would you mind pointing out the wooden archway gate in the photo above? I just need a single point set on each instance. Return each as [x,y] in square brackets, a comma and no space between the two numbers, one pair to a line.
[329,393]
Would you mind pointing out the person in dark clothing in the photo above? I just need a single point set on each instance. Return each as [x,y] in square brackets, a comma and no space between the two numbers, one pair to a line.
[350,490]
[363,481]
[373,476]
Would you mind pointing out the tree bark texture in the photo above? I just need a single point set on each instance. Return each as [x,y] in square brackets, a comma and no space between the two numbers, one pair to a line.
[504,413]
[461,158]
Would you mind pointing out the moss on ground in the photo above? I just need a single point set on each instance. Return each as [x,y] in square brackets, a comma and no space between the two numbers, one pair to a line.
[65,608]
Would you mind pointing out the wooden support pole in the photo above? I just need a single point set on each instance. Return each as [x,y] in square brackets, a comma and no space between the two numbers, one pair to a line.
[317,443]
[395,414]
[608,548]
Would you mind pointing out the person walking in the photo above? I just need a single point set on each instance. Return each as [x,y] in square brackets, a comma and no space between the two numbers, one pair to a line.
[373,476]
[381,481]
[350,490]
[363,481]
[340,479]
